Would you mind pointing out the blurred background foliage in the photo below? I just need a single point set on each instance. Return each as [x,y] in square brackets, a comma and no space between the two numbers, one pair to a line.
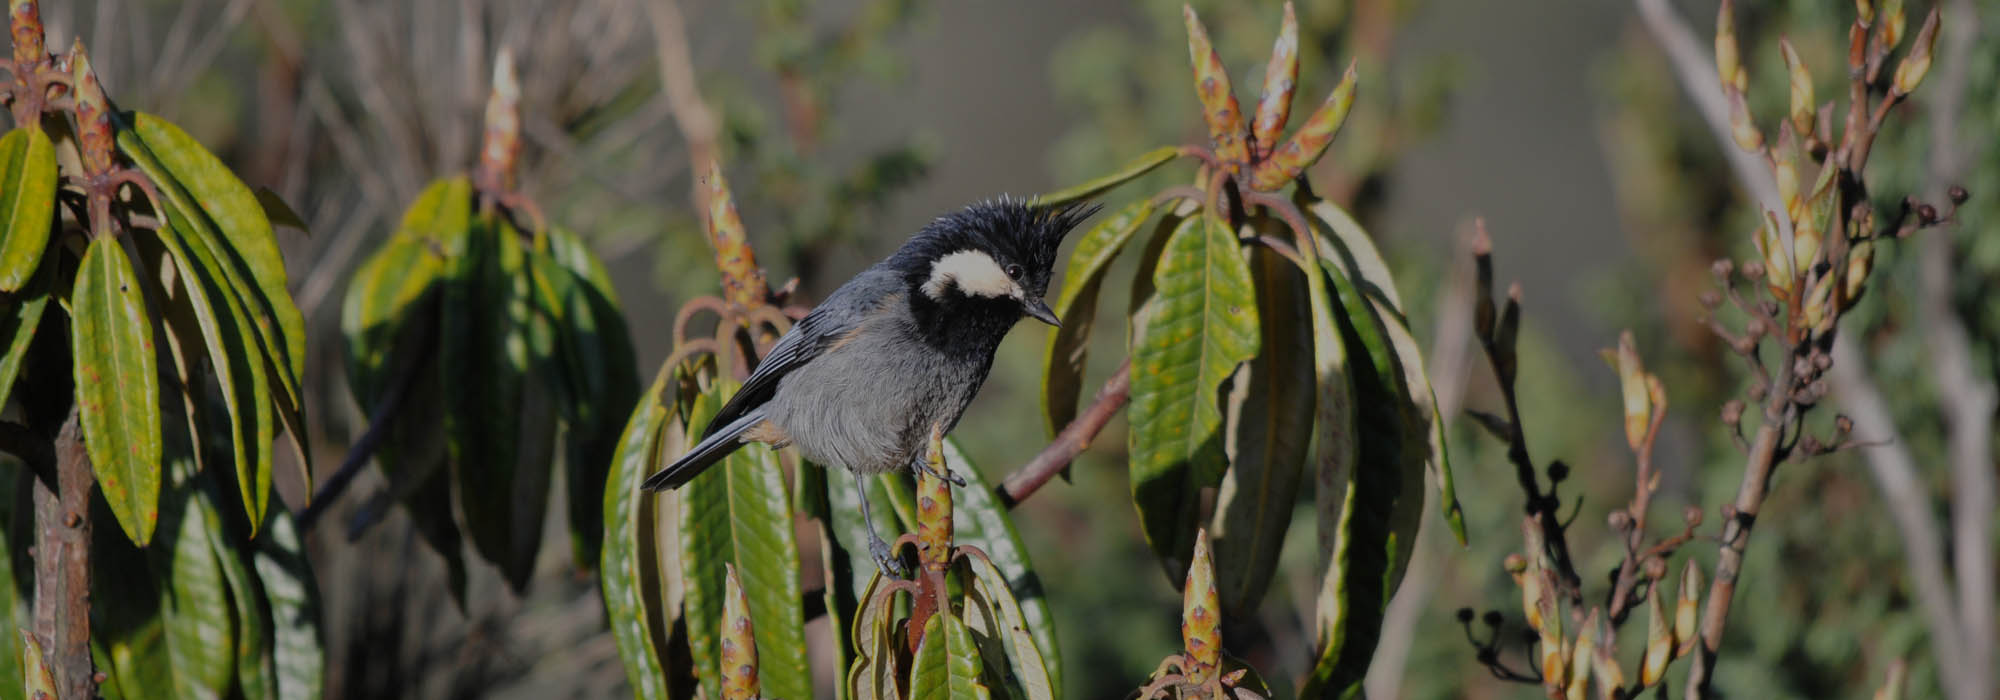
[849,123]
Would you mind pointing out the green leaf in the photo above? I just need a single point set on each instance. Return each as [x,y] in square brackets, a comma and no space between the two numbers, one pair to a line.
[27,203]
[127,629]
[390,319]
[946,666]
[740,512]
[1201,324]
[20,316]
[200,622]
[599,372]
[118,386]
[873,675]
[293,596]
[484,358]
[220,321]
[1001,629]
[256,673]
[980,520]
[1363,263]
[630,578]
[198,184]
[1270,425]
[1062,362]
[1091,188]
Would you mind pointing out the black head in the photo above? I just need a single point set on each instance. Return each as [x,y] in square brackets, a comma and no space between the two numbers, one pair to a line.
[994,257]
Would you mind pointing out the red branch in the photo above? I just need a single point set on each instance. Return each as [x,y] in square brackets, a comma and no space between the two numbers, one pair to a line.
[1070,442]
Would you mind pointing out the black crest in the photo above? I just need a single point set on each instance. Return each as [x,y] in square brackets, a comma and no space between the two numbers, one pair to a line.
[1011,230]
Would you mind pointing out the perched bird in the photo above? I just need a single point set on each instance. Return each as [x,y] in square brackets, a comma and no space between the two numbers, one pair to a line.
[897,351]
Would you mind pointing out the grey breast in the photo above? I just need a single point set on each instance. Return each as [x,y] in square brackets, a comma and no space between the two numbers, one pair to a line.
[867,401]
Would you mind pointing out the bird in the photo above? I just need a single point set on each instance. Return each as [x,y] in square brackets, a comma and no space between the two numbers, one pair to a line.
[896,352]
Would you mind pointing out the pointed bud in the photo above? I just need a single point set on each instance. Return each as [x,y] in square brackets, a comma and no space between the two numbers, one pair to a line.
[1778,267]
[24,22]
[1218,102]
[738,641]
[1727,58]
[1785,169]
[1482,262]
[1659,639]
[742,281]
[1741,128]
[1893,24]
[1632,383]
[1309,143]
[934,507]
[500,153]
[93,114]
[1819,308]
[1604,664]
[1860,261]
[1910,73]
[1864,11]
[1802,89]
[1281,77]
[1688,607]
[1581,654]
[1201,616]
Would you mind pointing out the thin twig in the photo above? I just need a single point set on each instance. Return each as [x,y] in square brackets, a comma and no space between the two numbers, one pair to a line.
[383,416]
[1070,442]
[697,121]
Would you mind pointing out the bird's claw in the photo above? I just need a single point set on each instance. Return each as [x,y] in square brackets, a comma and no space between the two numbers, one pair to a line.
[946,474]
[885,559]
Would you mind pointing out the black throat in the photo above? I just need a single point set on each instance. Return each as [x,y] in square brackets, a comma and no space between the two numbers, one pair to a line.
[960,326]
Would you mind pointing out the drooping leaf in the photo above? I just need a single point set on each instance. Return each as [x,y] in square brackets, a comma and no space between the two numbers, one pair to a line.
[209,195]
[290,591]
[200,299]
[629,580]
[1139,166]
[127,622]
[739,511]
[1269,431]
[19,318]
[1352,247]
[484,358]
[200,623]
[27,203]
[1000,627]
[118,386]
[1202,323]
[256,670]
[946,666]
[979,520]
[602,376]
[1063,360]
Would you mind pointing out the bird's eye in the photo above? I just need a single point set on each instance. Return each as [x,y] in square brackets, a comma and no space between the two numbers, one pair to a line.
[1014,271]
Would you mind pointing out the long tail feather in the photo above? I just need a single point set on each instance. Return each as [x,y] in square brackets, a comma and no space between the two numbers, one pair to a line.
[717,445]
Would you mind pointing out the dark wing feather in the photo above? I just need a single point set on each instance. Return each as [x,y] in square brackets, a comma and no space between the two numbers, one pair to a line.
[833,319]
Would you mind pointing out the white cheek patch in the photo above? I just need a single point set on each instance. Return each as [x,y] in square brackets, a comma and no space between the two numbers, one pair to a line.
[974,272]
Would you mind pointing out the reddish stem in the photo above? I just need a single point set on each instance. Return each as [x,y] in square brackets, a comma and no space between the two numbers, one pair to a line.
[1070,442]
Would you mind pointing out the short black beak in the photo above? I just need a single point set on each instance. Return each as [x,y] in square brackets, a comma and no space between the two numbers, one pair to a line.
[1040,310]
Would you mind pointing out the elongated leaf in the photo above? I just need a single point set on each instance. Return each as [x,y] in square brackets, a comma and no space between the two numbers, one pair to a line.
[946,666]
[221,322]
[873,675]
[1000,628]
[1096,186]
[1269,431]
[21,316]
[27,203]
[602,376]
[1376,527]
[118,386]
[202,187]
[1202,324]
[1364,263]
[630,581]
[981,521]
[484,357]
[200,623]
[740,512]
[256,671]
[127,623]
[1063,360]
[292,594]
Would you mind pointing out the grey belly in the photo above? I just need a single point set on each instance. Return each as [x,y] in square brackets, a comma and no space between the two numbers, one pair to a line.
[864,409]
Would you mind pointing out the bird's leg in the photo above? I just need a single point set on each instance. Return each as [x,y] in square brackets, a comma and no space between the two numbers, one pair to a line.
[885,560]
[947,476]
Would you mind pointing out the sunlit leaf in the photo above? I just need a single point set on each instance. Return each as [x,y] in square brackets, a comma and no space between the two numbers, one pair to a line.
[1000,627]
[1131,171]
[628,578]
[873,675]
[293,596]
[1202,323]
[1063,360]
[739,512]
[484,356]
[946,666]
[200,626]
[1269,430]
[27,203]
[20,317]
[118,386]
[602,376]
[980,520]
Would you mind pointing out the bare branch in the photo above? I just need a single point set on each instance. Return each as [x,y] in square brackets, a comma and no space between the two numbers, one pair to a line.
[1070,442]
